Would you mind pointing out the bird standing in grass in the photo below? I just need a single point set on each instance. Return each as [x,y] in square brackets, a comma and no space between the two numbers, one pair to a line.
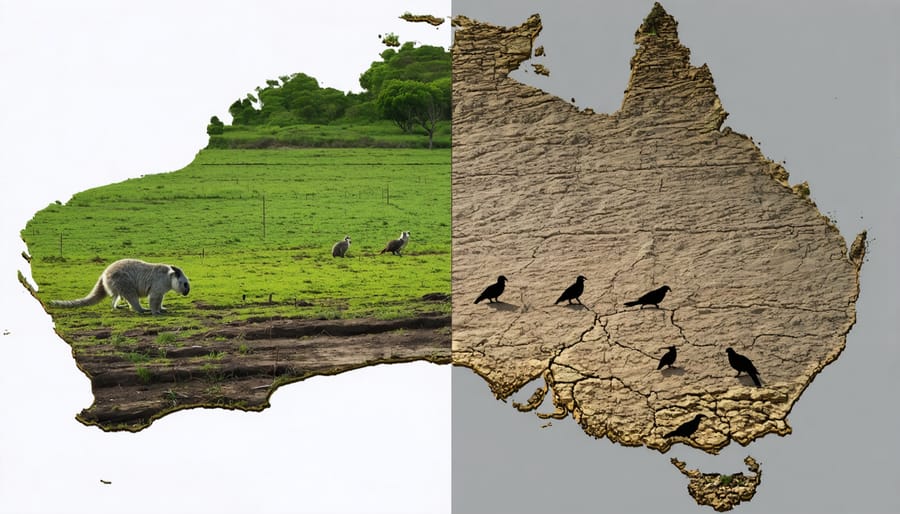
[492,291]
[340,248]
[743,364]
[687,428]
[395,245]
[668,359]
[573,292]
[651,298]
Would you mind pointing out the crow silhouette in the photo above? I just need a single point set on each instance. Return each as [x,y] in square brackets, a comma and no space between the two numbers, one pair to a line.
[651,298]
[573,292]
[686,429]
[668,359]
[742,364]
[492,291]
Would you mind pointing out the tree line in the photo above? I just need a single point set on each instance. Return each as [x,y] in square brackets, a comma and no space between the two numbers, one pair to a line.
[410,86]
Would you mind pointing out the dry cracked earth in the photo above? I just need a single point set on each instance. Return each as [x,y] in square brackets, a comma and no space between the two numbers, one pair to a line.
[658,192]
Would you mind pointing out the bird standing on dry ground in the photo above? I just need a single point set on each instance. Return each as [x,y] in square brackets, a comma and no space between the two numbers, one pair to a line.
[668,359]
[743,364]
[686,429]
[340,248]
[651,298]
[573,292]
[395,245]
[492,291]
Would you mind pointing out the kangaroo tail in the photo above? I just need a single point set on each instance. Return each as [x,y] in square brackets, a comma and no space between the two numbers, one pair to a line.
[97,293]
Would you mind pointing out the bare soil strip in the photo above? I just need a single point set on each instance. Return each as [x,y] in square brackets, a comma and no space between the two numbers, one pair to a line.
[238,366]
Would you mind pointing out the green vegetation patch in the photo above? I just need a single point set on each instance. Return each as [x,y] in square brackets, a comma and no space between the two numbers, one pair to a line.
[375,134]
[253,231]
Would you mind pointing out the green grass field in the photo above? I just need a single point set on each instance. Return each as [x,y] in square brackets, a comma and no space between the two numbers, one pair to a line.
[250,225]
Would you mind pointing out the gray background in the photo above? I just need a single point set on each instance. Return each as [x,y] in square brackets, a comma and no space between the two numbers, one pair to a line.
[817,84]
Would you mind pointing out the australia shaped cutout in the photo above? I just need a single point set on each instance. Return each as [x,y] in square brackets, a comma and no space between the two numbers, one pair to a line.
[687,236]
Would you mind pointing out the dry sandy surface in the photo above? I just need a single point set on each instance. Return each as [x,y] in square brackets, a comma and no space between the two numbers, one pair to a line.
[659,192]
[719,491]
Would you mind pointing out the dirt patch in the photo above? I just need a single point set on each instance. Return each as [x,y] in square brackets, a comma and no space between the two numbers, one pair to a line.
[720,491]
[239,365]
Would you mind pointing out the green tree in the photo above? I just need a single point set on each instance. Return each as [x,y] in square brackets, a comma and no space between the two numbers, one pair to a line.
[243,111]
[215,126]
[409,62]
[410,103]
[299,99]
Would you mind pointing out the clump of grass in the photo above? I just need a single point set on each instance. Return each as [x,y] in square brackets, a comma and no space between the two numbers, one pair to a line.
[171,397]
[120,340]
[212,372]
[244,349]
[136,357]
[144,374]
[166,338]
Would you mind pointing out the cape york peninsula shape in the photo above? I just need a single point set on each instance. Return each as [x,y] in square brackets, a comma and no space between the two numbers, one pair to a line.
[656,193]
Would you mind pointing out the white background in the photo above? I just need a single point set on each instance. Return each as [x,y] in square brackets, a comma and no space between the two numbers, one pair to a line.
[94,92]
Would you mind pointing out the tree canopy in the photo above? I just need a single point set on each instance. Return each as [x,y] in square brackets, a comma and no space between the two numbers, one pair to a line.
[410,86]
[411,103]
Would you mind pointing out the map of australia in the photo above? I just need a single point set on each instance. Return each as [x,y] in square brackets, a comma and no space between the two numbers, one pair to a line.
[659,193]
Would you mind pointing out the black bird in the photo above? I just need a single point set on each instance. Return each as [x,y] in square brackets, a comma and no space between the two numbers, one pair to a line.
[651,298]
[742,364]
[686,429]
[668,359]
[573,291]
[492,291]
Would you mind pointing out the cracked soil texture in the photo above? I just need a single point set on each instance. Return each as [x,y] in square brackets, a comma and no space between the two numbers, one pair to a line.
[719,491]
[656,193]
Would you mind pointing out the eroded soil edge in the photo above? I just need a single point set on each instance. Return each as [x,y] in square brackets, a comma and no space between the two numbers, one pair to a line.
[239,366]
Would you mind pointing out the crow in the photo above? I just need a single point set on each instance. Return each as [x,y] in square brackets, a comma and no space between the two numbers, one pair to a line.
[668,359]
[742,364]
[651,298]
[573,291]
[492,291]
[686,429]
